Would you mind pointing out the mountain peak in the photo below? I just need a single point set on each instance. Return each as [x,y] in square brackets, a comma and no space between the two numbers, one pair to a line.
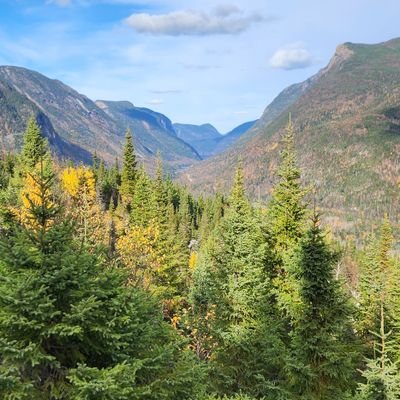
[342,53]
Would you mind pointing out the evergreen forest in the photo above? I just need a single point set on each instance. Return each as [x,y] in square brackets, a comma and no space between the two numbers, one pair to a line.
[120,285]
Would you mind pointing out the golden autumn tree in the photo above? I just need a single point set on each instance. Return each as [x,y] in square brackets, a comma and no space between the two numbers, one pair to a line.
[35,191]
[138,252]
[80,186]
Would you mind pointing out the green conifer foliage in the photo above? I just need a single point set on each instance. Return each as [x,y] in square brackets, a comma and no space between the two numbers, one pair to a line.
[128,173]
[236,327]
[34,146]
[69,326]
[287,210]
[378,285]
[321,340]
[142,207]
[378,318]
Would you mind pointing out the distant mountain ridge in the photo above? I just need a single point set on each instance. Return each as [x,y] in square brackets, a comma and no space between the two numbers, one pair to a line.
[207,140]
[347,122]
[77,126]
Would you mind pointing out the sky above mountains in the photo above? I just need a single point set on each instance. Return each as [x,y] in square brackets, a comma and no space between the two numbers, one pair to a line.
[196,61]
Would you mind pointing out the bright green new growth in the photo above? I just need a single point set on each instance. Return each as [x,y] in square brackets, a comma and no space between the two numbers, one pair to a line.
[287,210]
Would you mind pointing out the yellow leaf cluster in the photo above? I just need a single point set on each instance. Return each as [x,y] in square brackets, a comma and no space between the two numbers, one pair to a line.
[30,192]
[78,182]
[30,195]
[192,260]
[137,251]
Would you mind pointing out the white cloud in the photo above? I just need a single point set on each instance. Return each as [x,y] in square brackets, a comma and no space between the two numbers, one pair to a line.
[223,20]
[294,56]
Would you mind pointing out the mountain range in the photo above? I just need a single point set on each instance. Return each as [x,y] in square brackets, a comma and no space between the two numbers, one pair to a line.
[346,118]
[347,124]
[77,127]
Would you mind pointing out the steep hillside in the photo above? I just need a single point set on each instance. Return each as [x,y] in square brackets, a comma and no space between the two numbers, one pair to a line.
[81,125]
[231,137]
[203,138]
[152,132]
[348,138]
[15,110]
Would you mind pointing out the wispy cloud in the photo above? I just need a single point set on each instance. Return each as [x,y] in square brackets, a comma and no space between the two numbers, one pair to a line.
[155,102]
[167,91]
[293,56]
[226,20]
[200,67]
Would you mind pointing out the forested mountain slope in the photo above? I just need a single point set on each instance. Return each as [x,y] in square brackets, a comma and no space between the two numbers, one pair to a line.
[347,122]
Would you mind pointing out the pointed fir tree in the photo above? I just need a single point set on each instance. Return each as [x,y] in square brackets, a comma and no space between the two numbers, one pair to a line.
[142,206]
[378,320]
[34,145]
[287,210]
[378,284]
[128,173]
[323,352]
[382,376]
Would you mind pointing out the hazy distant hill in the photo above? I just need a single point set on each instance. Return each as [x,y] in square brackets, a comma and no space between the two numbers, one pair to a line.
[231,137]
[203,138]
[207,140]
[347,119]
[78,125]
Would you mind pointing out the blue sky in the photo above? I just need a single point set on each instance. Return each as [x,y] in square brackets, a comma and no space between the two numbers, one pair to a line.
[196,61]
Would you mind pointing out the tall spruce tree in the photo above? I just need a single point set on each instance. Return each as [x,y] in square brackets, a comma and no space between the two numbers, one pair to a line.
[34,145]
[69,326]
[321,341]
[378,286]
[128,173]
[287,211]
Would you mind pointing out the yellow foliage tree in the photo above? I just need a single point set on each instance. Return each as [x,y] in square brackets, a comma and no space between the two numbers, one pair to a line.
[79,184]
[137,251]
[33,192]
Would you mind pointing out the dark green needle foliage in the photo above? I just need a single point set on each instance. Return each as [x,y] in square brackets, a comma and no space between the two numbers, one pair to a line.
[128,173]
[71,329]
[322,345]
[232,289]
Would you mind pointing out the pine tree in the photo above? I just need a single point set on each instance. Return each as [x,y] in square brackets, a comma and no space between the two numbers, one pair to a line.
[128,174]
[378,321]
[142,206]
[322,346]
[382,376]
